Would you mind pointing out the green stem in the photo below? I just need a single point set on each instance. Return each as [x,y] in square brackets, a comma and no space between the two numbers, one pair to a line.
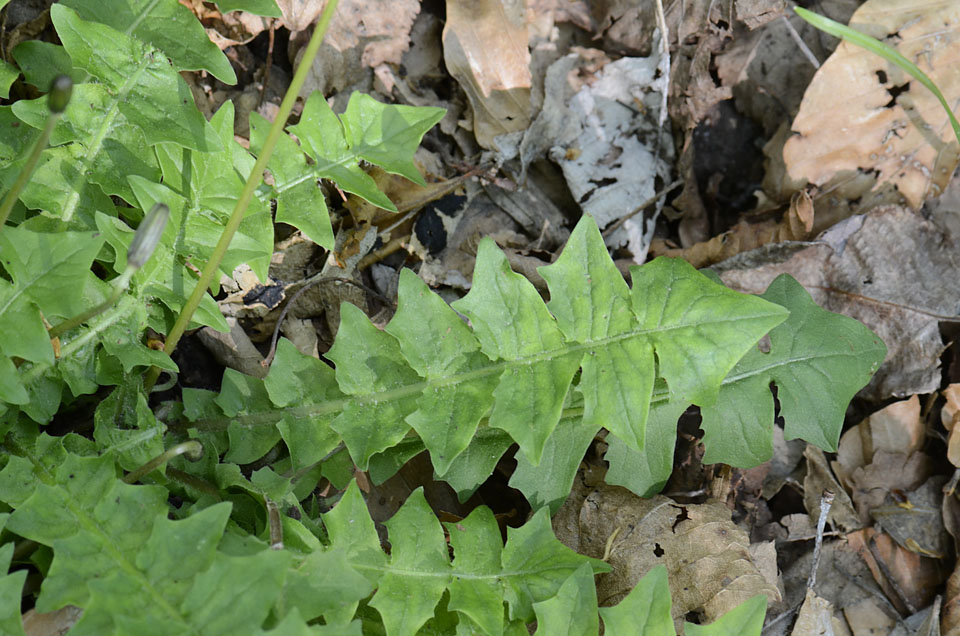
[28,168]
[256,175]
[191,448]
[120,286]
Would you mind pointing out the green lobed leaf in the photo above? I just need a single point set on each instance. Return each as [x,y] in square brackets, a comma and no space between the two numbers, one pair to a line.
[477,552]
[531,567]
[424,369]
[406,602]
[383,134]
[296,379]
[512,324]
[745,619]
[646,472]
[49,273]
[266,8]
[370,366]
[573,610]
[645,610]
[148,90]
[300,201]
[94,523]
[536,564]
[210,184]
[241,393]
[438,344]
[322,136]
[123,151]
[165,275]
[549,482]
[164,24]
[388,135]
[817,359]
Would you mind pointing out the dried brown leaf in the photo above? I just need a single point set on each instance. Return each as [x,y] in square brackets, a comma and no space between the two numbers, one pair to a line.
[485,50]
[861,112]
[796,224]
[707,556]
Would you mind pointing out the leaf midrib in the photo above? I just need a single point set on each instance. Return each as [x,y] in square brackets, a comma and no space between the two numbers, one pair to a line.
[495,367]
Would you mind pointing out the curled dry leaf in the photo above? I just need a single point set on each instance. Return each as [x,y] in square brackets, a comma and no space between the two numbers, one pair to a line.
[796,225]
[816,616]
[909,580]
[485,50]
[896,428]
[861,112]
[950,415]
[707,556]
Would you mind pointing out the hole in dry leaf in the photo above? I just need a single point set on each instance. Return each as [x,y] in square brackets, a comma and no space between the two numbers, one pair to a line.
[896,91]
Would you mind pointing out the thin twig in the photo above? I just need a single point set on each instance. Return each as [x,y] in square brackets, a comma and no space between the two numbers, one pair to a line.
[807,53]
[826,502]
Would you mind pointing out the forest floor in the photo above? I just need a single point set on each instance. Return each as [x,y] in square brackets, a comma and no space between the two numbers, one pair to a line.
[724,144]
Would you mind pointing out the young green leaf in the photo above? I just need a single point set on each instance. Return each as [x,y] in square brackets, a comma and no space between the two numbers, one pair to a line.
[210,183]
[572,611]
[745,619]
[148,91]
[300,200]
[48,273]
[383,134]
[645,610]
[438,344]
[11,589]
[817,359]
[165,24]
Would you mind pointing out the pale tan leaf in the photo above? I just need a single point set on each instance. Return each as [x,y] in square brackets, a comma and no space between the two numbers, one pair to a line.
[861,112]
[485,50]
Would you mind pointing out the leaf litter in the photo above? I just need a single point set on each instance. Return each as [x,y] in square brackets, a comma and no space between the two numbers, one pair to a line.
[528,147]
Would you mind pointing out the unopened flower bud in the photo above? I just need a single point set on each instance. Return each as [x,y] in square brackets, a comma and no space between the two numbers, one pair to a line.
[148,235]
[59,96]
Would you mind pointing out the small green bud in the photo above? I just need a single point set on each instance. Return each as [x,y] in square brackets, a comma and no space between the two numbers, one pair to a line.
[148,235]
[59,96]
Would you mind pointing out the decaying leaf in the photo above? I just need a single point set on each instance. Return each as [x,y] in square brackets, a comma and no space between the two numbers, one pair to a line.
[707,556]
[896,428]
[909,580]
[914,519]
[613,151]
[485,50]
[796,224]
[861,112]
[950,415]
[816,617]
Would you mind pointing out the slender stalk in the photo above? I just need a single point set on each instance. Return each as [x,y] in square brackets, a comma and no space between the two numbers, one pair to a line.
[191,448]
[57,100]
[119,286]
[141,248]
[877,47]
[256,175]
